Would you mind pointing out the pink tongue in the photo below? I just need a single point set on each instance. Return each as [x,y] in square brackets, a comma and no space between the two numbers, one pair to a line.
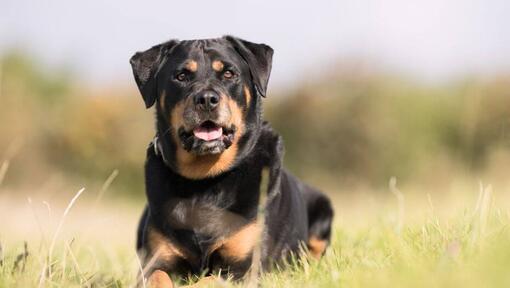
[208,134]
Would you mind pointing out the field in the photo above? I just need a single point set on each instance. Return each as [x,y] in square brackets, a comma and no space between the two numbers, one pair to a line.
[400,238]
[442,222]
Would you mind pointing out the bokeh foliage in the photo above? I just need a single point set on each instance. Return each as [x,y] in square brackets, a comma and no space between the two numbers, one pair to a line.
[353,127]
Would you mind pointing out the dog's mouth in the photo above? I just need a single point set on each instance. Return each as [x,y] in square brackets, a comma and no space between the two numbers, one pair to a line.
[207,138]
[208,131]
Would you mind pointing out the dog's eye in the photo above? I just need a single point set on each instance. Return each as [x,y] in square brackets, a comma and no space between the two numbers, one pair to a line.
[181,76]
[228,74]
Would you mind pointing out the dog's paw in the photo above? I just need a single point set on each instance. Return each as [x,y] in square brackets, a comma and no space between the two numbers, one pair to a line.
[159,279]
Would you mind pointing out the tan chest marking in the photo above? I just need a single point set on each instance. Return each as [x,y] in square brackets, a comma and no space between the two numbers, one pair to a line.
[161,250]
[239,245]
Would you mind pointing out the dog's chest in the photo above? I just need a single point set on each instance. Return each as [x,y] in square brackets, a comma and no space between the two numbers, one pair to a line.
[203,217]
[212,222]
[211,236]
[213,208]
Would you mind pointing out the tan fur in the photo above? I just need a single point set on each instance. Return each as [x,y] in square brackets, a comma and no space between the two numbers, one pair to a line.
[176,118]
[317,246]
[247,95]
[161,248]
[192,65]
[240,244]
[159,279]
[199,167]
[162,100]
[217,65]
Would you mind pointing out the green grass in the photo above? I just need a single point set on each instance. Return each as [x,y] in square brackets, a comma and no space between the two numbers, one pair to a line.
[471,248]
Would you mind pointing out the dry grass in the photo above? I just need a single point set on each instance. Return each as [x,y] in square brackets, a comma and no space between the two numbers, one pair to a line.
[457,239]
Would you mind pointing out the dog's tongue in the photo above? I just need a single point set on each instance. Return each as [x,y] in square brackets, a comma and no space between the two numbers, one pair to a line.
[208,133]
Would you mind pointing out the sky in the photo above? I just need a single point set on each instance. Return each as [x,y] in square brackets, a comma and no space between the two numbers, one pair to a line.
[431,40]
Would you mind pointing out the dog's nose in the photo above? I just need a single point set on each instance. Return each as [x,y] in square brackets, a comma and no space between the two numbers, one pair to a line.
[207,100]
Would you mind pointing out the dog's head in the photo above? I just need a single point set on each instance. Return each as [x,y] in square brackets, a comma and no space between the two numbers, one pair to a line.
[208,100]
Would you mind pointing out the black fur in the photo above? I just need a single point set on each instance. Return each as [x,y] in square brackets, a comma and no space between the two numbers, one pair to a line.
[193,214]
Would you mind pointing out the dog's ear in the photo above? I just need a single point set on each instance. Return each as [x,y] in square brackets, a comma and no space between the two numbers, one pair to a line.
[259,58]
[146,65]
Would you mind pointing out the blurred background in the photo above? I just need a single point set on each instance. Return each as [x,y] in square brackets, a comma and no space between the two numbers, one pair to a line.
[361,90]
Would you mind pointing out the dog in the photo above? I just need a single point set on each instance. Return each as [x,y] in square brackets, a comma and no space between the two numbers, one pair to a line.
[205,168]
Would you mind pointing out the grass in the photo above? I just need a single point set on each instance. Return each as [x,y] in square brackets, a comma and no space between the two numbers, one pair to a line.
[467,251]
[402,241]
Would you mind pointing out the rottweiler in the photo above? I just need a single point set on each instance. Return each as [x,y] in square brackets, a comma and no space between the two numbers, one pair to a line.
[204,169]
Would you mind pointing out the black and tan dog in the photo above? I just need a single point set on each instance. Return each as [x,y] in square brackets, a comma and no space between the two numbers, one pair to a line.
[203,173]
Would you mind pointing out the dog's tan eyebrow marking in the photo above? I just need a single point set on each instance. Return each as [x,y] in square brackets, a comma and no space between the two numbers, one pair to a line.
[217,65]
[192,65]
